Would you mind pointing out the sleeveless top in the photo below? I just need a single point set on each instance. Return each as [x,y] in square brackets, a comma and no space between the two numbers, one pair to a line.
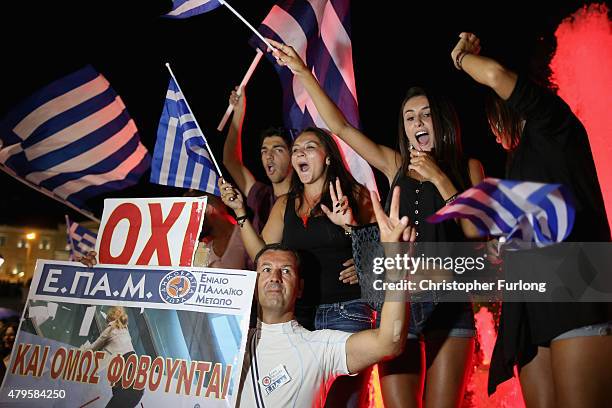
[323,248]
[419,200]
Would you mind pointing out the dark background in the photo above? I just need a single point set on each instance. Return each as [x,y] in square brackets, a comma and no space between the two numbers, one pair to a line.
[396,44]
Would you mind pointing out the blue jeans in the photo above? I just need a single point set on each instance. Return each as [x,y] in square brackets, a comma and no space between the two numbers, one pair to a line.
[430,317]
[351,316]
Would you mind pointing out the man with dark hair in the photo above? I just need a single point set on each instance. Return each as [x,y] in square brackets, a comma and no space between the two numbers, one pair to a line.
[288,365]
[275,157]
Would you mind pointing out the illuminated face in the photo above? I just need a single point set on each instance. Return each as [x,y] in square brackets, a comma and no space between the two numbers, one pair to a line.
[275,158]
[309,158]
[278,281]
[418,123]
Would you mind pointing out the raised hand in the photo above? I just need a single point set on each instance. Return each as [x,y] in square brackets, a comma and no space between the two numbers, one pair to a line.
[89,260]
[232,197]
[341,213]
[468,44]
[425,165]
[238,99]
[392,227]
[286,56]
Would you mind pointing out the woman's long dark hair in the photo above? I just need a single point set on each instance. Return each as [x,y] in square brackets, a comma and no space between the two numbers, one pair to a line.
[336,168]
[503,119]
[447,151]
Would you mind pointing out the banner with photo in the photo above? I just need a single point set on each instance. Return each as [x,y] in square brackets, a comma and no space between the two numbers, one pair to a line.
[130,336]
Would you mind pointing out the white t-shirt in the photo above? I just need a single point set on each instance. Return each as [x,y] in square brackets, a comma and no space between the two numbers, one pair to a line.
[291,366]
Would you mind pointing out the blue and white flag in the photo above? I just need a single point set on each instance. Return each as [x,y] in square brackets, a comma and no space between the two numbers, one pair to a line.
[73,139]
[189,8]
[80,239]
[180,158]
[320,32]
[522,211]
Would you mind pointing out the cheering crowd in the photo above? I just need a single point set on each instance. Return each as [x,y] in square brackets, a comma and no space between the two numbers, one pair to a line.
[316,334]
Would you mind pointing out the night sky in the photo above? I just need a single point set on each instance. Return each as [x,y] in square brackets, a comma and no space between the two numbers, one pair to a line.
[396,44]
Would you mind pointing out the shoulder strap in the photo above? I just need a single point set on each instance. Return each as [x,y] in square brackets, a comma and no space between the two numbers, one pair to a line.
[390,194]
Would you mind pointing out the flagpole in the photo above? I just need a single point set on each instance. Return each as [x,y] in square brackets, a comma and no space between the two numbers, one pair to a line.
[244,82]
[73,252]
[49,194]
[212,156]
[226,4]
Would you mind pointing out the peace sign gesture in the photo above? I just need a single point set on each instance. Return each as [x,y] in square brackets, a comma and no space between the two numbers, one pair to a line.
[392,227]
[342,213]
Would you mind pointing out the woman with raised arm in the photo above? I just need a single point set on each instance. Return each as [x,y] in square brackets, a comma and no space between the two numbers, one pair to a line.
[306,220]
[563,350]
[431,170]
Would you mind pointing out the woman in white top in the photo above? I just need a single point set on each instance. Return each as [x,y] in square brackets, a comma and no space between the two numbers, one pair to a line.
[115,339]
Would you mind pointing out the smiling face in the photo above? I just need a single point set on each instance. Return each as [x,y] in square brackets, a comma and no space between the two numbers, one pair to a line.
[309,158]
[418,123]
[278,282]
[275,158]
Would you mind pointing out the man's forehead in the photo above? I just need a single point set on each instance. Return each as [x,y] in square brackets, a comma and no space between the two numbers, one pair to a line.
[277,257]
[271,141]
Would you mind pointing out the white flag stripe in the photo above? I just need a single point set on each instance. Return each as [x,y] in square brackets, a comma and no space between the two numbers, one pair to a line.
[9,151]
[90,157]
[212,181]
[174,96]
[338,43]
[189,5]
[191,133]
[186,118]
[489,201]
[197,175]
[168,148]
[76,131]
[483,216]
[59,105]
[118,173]
[182,164]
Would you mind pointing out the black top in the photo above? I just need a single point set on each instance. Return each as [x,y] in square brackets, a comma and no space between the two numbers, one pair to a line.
[419,200]
[554,148]
[323,247]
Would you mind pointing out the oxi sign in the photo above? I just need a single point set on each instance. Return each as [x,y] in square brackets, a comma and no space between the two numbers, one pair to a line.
[150,231]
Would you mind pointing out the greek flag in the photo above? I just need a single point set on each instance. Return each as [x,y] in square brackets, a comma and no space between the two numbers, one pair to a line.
[80,239]
[180,158]
[189,8]
[73,140]
[522,211]
[320,32]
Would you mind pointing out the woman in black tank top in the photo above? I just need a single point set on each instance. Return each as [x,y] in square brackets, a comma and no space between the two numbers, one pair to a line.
[298,220]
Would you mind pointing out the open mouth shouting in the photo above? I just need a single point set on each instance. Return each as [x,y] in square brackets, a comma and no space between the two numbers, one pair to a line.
[270,168]
[422,138]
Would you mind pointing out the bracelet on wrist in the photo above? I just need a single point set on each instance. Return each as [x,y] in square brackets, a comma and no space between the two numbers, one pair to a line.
[459,60]
[241,220]
[451,198]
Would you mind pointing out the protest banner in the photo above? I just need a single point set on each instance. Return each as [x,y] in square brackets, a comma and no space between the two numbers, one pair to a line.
[143,336]
[150,231]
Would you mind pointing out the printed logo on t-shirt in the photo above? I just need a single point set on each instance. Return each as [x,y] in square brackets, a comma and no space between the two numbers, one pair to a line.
[277,377]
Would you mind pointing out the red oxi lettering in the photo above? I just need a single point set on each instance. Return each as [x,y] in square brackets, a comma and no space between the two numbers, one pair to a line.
[125,211]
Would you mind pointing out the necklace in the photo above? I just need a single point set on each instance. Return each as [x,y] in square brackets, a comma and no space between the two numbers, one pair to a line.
[309,207]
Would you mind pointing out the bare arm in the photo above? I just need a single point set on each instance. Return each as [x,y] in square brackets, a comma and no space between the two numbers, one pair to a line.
[232,149]
[382,157]
[273,230]
[476,176]
[483,70]
[371,346]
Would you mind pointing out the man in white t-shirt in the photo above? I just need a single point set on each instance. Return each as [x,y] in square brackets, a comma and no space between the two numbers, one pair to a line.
[288,366]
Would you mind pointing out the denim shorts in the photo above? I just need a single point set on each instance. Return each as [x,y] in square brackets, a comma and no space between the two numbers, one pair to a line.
[593,330]
[351,316]
[431,318]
